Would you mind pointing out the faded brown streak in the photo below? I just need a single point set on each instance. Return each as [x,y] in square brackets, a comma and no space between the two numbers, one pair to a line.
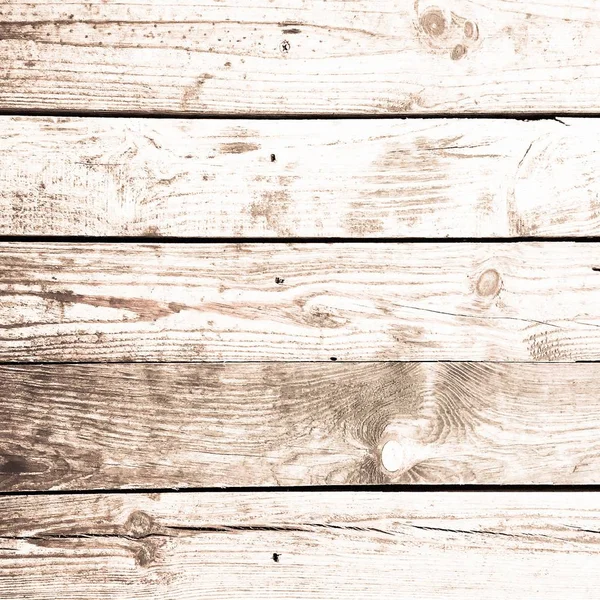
[252,178]
[142,426]
[376,301]
[540,546]
[318,58]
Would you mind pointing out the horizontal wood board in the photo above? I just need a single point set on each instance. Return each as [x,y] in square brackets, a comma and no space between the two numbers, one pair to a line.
[70,302]
[86,427]
[459,546]
[435,178]
[314,57]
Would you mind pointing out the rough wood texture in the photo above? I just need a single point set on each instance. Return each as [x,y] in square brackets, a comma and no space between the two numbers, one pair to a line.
[213,302]
[236,56]
[396,178]
[177,425]
[459,546]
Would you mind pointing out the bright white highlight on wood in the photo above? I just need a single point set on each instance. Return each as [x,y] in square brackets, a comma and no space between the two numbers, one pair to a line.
[392,456]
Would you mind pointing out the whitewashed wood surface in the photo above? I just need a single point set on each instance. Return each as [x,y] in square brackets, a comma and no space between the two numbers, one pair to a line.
[113,302]
[335,178]
[312,57]
[423,545]
[90,427]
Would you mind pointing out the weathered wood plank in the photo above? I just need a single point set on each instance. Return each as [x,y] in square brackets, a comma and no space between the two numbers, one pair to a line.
[396,178]
[171,426]
[318,56]
[460,546]
[370,301]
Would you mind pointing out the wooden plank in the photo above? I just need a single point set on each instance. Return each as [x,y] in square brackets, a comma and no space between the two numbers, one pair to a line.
[318,56]
[85,427]
[460,546]
[246,302]
[212,178]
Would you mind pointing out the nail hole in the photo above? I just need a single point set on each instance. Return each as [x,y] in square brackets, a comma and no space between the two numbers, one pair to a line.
[279,280]
[273,158]
[333,358]
[276,557]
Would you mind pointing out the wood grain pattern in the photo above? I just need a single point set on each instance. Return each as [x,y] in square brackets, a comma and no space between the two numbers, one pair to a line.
[244,302]
[175,426]
[354,179]
[460,546]
[318,56]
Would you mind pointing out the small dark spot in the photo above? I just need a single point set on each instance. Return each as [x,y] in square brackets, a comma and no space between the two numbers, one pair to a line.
[189,156]
[204,177]
[292,31]
[433,22]
[458,52]
[30,63]
[276,557]
[71,16]
[333,358]
[273,158]
[228,65]
[43,185]
[279,280]
[285,46]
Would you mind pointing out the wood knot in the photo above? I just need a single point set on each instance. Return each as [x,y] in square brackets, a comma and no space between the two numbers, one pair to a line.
[433,22]
[458,51]
[471,30]
[147,552]
[139,524]
[489,283]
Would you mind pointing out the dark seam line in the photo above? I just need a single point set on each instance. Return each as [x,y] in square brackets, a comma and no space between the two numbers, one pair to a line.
[291,240]
[338,361]
[514,116]
[329,361]
[391,488]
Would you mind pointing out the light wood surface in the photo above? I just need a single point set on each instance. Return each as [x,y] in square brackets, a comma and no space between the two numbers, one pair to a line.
[241,57]
[428,545]
[178,426]
[319,302]
[333,178]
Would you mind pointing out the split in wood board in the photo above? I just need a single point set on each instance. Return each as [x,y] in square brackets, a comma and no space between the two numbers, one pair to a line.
[424,545]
